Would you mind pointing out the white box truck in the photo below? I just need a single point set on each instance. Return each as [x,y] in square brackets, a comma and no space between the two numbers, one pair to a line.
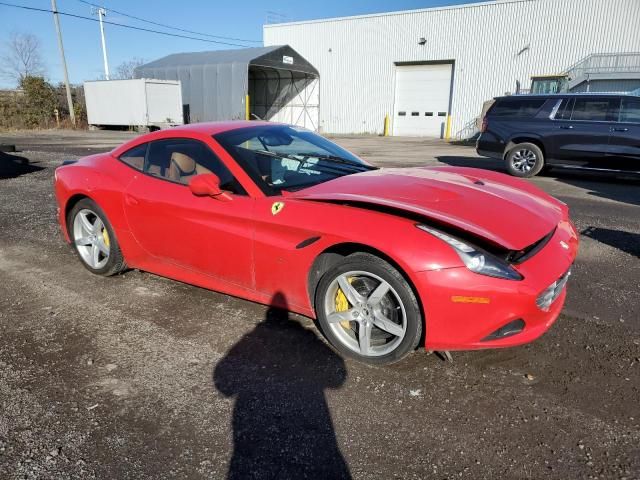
[141,103]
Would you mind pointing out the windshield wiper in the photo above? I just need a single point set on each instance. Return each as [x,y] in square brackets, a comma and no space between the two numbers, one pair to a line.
[335,169]
[337,159]
[306,156]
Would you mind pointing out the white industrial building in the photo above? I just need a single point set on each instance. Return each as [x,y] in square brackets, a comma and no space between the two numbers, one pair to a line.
[430,70]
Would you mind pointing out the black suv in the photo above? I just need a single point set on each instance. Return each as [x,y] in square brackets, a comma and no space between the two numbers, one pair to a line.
[599,132]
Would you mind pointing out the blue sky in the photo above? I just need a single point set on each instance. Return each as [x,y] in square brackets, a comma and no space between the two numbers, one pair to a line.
[239,19]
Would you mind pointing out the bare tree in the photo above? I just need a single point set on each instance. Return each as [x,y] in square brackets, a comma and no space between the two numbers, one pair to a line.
[124,71]
[21,57]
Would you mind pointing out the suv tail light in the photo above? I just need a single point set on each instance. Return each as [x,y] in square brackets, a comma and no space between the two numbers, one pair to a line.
[485,124]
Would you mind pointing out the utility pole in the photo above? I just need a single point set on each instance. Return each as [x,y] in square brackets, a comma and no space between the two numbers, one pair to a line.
[103,13]
[72,114]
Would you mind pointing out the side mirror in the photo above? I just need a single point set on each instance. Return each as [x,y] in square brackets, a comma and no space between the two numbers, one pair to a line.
[208,185]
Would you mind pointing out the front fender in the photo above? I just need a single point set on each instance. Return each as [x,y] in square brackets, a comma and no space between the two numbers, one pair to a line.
[284,257]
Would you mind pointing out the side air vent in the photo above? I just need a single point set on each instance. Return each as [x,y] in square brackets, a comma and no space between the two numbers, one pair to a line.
[512,328]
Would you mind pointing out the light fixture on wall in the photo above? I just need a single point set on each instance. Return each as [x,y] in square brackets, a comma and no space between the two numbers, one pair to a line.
[422,41]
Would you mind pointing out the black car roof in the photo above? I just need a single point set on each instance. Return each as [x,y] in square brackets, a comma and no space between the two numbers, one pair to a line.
[568,95]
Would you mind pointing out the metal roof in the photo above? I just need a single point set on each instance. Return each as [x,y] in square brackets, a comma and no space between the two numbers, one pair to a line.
[461,6]
[216,57]
[257,56]
[215,84]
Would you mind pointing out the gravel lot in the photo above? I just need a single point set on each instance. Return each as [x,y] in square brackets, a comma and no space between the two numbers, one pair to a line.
[137,376]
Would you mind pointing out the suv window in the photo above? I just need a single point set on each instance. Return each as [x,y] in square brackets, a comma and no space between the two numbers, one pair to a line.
[517,107]
[564,110]
[135,156]
[596,109]
[178,160]
[630,111]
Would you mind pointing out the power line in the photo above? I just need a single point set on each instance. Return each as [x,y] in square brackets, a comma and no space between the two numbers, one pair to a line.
[169,26]
[24,7]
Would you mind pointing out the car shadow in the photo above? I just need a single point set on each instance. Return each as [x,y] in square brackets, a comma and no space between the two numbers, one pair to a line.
[612,186]
[620,189]
[473,162]
[282,427]
[12,166]
[625,241]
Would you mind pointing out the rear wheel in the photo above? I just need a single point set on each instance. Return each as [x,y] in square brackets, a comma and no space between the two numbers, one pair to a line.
[368,311]
[524,160]
[94,239]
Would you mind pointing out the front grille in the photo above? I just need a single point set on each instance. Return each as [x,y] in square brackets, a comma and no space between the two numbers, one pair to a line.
[552,292]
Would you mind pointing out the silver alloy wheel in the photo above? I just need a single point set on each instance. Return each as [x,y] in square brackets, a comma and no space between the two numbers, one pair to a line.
[375,321]
[91,238]
[524,160]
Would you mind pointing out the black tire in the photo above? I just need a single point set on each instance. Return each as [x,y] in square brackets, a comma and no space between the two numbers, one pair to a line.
[400,291]
[115,262]
[524,160]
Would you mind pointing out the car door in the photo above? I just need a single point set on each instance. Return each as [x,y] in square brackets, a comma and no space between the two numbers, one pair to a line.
[624,141]
[582,129]
[209,235]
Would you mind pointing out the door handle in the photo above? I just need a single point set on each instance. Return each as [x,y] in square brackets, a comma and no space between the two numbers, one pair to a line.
[621,129]
[566,127]
[129,200]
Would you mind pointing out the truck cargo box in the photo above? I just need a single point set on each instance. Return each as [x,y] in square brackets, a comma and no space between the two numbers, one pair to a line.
[140,103]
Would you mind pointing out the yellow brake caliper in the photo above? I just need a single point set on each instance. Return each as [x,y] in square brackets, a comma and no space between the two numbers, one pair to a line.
[105,237]
[342,305]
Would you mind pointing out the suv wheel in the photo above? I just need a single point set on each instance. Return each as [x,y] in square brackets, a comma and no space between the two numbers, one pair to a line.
[524,160]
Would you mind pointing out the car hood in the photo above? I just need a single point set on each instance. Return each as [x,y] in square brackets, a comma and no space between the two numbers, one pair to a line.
[503,210]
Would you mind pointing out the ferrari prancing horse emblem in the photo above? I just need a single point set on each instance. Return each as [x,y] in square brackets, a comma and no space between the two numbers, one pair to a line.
[277,207]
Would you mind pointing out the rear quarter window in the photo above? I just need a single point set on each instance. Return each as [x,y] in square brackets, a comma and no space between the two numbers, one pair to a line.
[135,156]
[517,107]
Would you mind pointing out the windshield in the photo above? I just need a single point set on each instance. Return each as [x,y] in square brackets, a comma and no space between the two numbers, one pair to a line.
[280,157]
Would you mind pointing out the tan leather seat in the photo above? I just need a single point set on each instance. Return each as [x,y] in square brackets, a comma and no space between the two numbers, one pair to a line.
[154,170]
[183,167]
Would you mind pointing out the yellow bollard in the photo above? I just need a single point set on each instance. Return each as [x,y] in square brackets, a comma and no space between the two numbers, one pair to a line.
[247,109]
[447,130]
[386,125]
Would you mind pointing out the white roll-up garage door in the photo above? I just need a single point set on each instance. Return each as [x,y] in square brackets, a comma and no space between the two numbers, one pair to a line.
[422,100]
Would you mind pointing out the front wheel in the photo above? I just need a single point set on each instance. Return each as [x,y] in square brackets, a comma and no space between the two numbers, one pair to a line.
[524,160]
[368,311]
[94,239]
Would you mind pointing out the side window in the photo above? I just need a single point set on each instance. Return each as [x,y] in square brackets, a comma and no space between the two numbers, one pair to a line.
[596,109]
[630,111]
[564,111]
[135,156]
[517,107]
[178,160]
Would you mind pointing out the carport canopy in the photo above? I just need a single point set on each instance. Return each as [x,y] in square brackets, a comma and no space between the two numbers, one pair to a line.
[281,84]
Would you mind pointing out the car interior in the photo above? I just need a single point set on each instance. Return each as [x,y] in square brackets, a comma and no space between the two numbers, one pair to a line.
[182,168]
[181,161]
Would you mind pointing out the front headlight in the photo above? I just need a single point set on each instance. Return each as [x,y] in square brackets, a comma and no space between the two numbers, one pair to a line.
[476,260]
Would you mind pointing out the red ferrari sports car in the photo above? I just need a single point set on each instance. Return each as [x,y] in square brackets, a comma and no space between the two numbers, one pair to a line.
[383,258]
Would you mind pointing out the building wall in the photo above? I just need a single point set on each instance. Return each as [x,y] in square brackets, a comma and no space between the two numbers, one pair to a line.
[614,86]
[492,44]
